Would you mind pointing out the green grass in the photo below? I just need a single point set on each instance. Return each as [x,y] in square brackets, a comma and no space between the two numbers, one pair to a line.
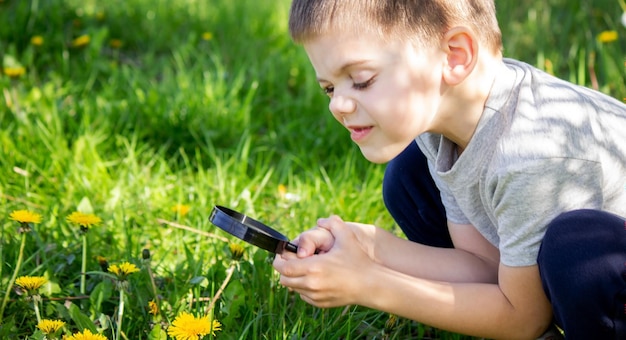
[171,118]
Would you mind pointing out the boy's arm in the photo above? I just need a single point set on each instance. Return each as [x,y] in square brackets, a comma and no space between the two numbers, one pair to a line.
[436,286]
[473,258]
[516,307]
[470,290]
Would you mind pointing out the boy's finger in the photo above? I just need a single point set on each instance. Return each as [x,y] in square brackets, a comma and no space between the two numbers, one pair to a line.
[334,224]
[314,240]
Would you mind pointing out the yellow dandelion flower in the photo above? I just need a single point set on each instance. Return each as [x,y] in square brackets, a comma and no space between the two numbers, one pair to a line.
[607,36]
[236,251]
[181,209]
[123,270]
[50,326]
[116,43]
[36,40]
[83,220]
[188,327]
[207,36]
[14,72]
[31,283]
[282,190]
[81,41]
[85,335]
[25,216]
[153,307]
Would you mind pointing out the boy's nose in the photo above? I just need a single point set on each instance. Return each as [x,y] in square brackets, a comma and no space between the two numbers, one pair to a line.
[341,105]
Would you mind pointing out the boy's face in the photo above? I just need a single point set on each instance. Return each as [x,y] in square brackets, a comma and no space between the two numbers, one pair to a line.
[385,93]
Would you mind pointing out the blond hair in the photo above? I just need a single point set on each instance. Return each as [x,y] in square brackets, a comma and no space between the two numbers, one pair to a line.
[426,21]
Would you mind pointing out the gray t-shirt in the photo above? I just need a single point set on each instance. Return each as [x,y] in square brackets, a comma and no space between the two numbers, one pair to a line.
[542,147]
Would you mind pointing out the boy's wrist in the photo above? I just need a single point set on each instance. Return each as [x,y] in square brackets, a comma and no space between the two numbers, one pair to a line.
[367,235]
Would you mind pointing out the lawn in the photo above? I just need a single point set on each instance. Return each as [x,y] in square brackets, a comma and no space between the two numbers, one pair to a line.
[142,115]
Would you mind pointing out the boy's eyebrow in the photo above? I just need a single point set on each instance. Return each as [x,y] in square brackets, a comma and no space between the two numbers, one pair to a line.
[343,68]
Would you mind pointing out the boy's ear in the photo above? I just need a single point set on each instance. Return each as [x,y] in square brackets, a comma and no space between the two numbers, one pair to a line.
[461,48]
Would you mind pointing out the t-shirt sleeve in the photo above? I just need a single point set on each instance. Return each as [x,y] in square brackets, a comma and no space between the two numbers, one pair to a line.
[429,144]
[453,211]
[527,197]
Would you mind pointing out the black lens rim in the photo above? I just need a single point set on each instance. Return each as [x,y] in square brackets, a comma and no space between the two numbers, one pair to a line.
[250,230]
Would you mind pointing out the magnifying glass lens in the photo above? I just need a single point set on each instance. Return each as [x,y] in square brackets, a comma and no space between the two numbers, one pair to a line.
[250,230]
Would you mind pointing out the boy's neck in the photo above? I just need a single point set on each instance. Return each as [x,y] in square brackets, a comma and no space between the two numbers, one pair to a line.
[462,105]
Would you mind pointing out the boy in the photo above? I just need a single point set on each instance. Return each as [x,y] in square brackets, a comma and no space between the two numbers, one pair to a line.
[510,184]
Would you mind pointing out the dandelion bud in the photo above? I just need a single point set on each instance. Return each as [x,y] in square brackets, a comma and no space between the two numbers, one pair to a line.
[104,264]
[236,251]
[145,254]
[391,323]
[153,307]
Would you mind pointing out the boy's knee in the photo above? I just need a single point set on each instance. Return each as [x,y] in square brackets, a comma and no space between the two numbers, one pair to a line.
[581,263]
[576,228]
[577,234]
[572,220]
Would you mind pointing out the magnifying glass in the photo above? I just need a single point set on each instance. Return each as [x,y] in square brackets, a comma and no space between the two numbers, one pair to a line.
[250,230]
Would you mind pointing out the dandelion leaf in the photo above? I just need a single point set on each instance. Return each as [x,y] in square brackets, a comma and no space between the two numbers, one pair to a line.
[50,288]
[234,299]
[101,292]
[157,333]
[82,321]
[7,329]
[38,335]
[199,280]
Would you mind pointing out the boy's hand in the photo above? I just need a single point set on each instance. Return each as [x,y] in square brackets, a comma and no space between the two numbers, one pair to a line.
[336,276]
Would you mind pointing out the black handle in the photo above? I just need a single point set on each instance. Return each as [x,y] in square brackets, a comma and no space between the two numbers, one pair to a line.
[294,248]
[291,247]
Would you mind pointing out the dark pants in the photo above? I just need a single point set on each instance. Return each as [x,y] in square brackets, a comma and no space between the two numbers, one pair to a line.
[582,260]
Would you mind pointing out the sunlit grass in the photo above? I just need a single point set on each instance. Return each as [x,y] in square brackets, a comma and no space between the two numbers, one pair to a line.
[148,113]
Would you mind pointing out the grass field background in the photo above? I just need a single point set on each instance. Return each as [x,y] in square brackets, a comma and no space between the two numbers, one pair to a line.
[180,105]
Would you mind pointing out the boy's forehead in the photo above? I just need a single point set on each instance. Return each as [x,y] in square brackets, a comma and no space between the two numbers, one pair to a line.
[330,54]
[333,55]
[343,42]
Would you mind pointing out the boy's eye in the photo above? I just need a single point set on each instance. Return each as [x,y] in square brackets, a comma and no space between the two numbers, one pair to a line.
[328,90]
[363,85]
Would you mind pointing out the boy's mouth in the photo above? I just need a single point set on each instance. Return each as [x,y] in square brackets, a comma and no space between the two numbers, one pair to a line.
[358,133]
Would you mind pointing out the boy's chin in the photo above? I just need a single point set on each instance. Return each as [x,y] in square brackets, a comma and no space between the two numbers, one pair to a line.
[380,156]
